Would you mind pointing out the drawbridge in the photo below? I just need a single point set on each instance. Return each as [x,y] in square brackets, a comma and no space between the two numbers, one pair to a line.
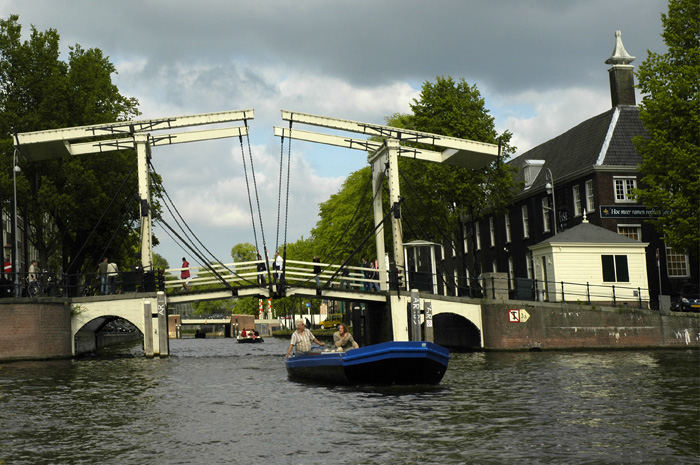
[214,279]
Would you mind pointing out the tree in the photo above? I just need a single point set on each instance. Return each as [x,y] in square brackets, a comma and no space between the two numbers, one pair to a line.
[243,252]
[670,168]
[62,200]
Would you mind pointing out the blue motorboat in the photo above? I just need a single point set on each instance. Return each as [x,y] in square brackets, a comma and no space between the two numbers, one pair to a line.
[402,363]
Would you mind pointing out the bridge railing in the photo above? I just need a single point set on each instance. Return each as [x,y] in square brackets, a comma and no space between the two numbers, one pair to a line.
[254,273]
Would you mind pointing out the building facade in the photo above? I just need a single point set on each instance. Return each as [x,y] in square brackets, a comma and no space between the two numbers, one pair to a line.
[589,171]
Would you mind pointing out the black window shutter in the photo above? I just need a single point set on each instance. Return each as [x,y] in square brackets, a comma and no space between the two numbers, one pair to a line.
[623,274]
[608,268]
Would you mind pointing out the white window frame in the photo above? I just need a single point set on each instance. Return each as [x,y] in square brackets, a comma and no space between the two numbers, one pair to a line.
[546,209]
[466,238]
[526,221]
[576,191]
[477,235]
[670,251]
[494,265]
[637,226]
[507,227]
[626,188]
[590,199]
[492,232]
[511,273]
[528,266]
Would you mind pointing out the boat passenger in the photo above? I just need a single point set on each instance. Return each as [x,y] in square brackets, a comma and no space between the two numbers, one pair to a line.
[301,340]
[343,339]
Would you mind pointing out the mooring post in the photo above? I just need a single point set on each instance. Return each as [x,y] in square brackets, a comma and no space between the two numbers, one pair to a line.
[147,329]
[429,332]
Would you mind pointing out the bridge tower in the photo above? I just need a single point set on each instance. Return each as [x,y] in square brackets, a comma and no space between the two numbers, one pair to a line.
[387,143]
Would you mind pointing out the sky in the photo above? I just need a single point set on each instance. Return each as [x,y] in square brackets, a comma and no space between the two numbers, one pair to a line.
[538,63]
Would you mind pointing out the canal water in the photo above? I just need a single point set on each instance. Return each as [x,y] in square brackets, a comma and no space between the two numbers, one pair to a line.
[215,401]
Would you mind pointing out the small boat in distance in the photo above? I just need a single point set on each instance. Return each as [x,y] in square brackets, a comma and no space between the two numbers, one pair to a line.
[249,337]
[388,363]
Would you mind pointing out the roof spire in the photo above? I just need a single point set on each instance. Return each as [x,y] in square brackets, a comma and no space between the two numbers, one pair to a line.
[619,55]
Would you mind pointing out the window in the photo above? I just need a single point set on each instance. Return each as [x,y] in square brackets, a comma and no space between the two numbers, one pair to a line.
[526,223]
[477,235]
[545,214]
[577,200]
[633,231]
[492,232]
[511,273]
[615,268]
[507,223]
[528,266]
[623,189]
[676,264]
[590,205]
[466,238]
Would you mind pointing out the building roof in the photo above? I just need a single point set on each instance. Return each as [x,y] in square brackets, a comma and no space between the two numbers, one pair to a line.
[591,234]
[605,139]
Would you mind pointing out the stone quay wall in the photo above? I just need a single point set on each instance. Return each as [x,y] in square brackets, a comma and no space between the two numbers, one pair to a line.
[35,331]
[518,325]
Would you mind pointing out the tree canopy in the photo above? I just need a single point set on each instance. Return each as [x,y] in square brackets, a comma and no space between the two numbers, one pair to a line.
[670,169]
[62,200]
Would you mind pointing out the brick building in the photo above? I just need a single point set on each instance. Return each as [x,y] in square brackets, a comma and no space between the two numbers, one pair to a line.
[592,168]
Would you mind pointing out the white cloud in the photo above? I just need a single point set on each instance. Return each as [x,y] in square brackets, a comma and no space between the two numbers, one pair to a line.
[550,113]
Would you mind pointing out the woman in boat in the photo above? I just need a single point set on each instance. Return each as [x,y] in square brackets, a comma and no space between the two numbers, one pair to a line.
[301,340]
[343,339]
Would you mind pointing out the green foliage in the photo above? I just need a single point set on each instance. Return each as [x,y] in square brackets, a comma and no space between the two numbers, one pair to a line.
[670,169]
[63,199]
[243,252]
[159,262]
[345,219]
[437,195]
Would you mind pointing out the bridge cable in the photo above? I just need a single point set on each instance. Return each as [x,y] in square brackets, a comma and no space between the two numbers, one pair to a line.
[286,200]
[160,184]
[99,221]
[366,238]
[257,200]
[194,251]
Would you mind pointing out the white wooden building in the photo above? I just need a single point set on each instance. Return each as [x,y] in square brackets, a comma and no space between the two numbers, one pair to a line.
[590,263]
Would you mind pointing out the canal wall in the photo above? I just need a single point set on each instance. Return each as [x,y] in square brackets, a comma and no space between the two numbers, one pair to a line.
[519,325]
[31,331]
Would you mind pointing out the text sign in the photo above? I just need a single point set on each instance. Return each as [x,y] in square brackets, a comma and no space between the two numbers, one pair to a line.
[518,315]
[631,211]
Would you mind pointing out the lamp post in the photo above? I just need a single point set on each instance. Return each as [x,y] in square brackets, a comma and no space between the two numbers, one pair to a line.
[15,169]
[549,187]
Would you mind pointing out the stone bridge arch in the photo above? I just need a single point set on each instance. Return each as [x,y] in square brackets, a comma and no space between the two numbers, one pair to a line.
[88,315]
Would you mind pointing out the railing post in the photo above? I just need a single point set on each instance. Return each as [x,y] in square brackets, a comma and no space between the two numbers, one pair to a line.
[588,292]
[493,287]
[562,292]
[534,289]
[639,295]
[614,299]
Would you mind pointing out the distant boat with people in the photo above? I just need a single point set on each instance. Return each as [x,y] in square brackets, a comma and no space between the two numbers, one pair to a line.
[388,363]
[249,337]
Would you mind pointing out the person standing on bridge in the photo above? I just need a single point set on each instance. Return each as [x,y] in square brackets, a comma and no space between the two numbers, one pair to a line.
[279,263]
[301,340]
[185,274]
[7,268]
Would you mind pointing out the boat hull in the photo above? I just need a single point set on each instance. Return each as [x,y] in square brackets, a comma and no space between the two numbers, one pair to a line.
[401,363]
[249,340]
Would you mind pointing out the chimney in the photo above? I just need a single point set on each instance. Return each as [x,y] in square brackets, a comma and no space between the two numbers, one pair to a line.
[621,76]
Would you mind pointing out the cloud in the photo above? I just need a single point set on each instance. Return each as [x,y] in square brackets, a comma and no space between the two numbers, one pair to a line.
[551,113]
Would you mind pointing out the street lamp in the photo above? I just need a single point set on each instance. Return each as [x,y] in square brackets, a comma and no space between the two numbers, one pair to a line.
[549,188]
[16,169]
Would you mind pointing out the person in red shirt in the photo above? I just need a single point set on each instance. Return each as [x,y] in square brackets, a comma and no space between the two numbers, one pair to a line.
[185,274]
